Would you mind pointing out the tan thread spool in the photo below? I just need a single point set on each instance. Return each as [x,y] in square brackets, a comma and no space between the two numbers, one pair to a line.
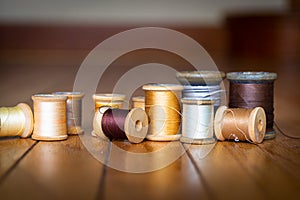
[240,124]
[163,109]
[138,102]
[136,124]
[50,117]
[74,107]
[16,121]
[111,100]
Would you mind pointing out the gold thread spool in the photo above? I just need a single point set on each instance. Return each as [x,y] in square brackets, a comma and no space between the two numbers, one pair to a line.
[74,102]
[197,121]
[136,124]
[50,117]
[111,100]
[138,102]
[240,124]
[16,121]
[163,109]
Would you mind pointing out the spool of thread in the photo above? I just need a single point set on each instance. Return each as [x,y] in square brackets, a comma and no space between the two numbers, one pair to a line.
[240,124]
[254,89]
[138,102]
[74,107]
[50,117]
[197,121]
[163,109]
[202,85]
[113,123]
[111,100]
[16,121]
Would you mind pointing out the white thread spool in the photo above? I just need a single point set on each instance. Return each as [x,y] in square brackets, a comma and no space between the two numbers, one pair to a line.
[16,121]
[50,117]
[197,121]
[74,100]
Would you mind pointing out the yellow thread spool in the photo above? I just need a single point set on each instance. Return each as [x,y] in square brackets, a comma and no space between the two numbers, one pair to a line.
[16,121]
[163,109]
[111,100]
[74,102]
[240,124]
[138,102]
[50,117]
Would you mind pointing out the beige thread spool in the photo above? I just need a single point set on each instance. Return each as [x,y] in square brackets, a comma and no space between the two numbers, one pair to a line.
[111,100]
[138,102]
[240,124]
[16,121]
[163,109]
[50,114]
[74,107]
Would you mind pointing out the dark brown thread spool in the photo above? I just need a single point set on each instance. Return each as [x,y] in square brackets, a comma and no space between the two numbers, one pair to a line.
[121,124]
[240,124]
[254,89]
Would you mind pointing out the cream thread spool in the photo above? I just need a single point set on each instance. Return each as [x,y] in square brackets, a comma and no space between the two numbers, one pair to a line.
[252,128]
[16,121]
[111,100]
[163,109]
[135,125]
[74,107]
[138,102]
[197,121]
[50,114]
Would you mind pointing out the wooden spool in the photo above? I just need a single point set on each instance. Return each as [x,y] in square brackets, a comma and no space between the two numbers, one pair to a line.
[138,102]
[50,117]
[20,125]
[110,100]
[256,125]
[74,104]
[136,124]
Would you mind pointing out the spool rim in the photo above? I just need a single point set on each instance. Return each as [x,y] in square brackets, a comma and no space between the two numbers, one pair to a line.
[202,141]
[109,97]
[138,99]
[48,97]
[218,122]
[77,95]
[49,138]
[163,138]
[162,87]
[28,127]
[257,125]
[197,101]
[97,122]
[204,77]
[251,76]
[130,128]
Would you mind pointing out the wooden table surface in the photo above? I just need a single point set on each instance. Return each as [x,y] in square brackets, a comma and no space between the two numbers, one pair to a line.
[66,170]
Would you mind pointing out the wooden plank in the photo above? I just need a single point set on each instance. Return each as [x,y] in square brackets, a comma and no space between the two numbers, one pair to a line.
[55,170]
[226,178]
[178,180]
[11,151]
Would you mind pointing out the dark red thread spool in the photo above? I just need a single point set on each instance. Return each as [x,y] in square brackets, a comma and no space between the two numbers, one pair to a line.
[120,124]
[254,89]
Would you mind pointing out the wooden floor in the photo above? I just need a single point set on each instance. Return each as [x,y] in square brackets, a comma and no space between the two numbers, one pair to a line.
[67,170]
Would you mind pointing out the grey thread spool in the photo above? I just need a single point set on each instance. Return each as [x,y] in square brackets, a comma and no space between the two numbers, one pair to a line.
[74,107]
[202,85]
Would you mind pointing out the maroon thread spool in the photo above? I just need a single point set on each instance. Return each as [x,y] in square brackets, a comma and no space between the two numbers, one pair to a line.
[254,89]
[120,124]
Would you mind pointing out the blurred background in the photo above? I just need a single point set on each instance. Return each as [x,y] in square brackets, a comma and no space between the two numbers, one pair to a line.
[43,42]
